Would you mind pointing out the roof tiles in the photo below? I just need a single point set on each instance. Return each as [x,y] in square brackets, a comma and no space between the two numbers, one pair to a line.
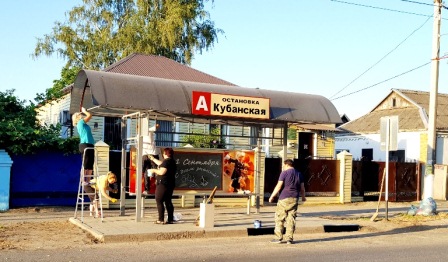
[162,67]
[411,118]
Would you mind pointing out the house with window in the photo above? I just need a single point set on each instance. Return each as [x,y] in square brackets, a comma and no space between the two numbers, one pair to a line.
[362,138]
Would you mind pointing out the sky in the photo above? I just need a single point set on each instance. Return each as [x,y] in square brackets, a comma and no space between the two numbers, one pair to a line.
[353,52]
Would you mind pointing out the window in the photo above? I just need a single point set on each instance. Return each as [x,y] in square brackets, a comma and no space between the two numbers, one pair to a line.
[340,150]
[164,135]
[397,156]
[112,132]
[367,154]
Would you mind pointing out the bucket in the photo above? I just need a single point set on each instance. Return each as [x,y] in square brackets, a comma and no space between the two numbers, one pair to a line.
[257,223]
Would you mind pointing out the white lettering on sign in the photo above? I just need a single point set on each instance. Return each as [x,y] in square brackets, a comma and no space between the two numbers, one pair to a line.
[202,104]
[205,103]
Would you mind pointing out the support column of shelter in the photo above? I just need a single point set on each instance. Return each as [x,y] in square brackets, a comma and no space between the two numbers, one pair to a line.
[138,176]
[285,142]
[137,142]
[258,172]
[123,167]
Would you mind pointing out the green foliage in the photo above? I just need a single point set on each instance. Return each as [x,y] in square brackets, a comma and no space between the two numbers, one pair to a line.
[21,134]
[214,139]
[68,76]
[292,134]
[101,32]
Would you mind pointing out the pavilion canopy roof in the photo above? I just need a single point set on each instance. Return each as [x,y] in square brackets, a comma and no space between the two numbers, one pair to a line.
[114,94]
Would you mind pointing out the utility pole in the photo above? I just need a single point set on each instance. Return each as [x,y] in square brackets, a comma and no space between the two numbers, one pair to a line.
[431,147]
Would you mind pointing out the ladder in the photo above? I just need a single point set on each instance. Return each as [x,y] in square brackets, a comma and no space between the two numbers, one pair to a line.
[81,202]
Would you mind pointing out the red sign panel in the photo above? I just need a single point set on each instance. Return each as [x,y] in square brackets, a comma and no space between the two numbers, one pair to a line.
[204,103]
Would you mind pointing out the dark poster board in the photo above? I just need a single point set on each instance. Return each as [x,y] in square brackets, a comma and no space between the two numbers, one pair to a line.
[198,170]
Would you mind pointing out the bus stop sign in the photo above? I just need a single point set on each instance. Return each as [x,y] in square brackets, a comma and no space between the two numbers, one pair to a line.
[389,127]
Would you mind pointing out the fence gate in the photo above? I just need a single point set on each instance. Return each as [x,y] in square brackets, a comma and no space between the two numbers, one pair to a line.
[321,176]
[404,180]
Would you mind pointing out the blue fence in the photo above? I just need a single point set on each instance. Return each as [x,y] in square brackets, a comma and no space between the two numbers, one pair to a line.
[44,179]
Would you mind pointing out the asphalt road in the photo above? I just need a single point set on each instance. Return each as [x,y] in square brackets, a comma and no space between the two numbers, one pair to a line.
[422,243]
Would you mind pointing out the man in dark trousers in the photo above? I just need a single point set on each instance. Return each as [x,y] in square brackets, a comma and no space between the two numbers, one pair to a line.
[293,186]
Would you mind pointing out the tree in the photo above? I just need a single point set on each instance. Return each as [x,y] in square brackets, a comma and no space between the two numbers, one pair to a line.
[101,32]
[21,134]
[68,76]
[201,139]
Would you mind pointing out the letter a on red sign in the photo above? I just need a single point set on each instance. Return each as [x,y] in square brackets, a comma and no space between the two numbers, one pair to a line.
[201,103]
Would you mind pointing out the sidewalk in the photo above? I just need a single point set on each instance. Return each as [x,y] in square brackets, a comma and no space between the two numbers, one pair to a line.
[231,222]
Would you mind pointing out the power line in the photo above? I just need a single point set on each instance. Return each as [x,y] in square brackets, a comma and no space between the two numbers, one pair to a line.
[420,3]
[395,48]
[383,8]
[383,81]
[415,2]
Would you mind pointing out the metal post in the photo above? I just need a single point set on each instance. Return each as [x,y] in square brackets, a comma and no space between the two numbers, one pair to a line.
[123,167]
[285,142]
[138,172]
[387,167]
[258,177]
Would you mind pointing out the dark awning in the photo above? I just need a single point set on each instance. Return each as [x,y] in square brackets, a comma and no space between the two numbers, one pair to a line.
[113,94]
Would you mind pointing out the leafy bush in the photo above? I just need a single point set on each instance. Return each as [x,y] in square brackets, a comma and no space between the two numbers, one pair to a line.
[212,140]
[20,133]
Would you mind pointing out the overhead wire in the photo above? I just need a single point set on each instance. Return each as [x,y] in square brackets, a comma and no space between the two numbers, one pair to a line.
[391,51]
[357,91]
[420,3]
[380,8]
[387,9]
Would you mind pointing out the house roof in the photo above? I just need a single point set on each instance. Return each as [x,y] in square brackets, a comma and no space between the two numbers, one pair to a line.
[162,67]
[115,94]
[413,115]
[317,127]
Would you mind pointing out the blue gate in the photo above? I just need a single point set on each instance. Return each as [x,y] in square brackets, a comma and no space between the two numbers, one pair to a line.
[45,179]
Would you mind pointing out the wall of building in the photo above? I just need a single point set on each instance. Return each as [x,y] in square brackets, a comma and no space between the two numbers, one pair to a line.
[442,150]
[52,114]
[408,141]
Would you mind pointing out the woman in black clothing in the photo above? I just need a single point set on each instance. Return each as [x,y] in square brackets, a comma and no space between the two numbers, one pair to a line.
[165,182]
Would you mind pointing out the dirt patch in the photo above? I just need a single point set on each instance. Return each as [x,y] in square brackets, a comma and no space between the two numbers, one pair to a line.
[41,228]
[398,222]
[43,235]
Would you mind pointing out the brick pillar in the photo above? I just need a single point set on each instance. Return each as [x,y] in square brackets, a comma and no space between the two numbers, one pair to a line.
[103,164]
[345,176]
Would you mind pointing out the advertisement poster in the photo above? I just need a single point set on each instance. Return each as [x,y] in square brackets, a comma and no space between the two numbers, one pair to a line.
[133,177]
[239,171]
